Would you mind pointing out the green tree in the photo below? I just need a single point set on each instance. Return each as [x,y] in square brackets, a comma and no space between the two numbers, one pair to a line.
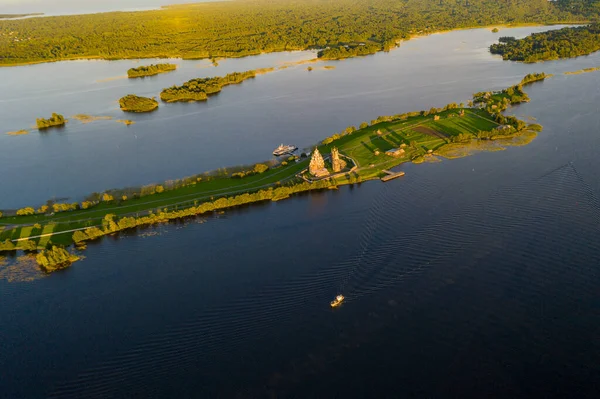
[260,168]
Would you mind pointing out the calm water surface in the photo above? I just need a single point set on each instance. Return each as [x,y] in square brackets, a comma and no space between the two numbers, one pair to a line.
[475,277]
[70,7]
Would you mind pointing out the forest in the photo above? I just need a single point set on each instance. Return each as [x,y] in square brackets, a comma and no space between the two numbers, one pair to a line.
[552,45]
[150,70]
[54,120]
[245,27]
[199,89]
[133,103]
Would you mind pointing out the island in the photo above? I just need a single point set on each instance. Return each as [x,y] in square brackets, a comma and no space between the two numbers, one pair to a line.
[352,156]
[550,45]
[150,70]
[340,29]
[133,103]
[54,121]
[200,89]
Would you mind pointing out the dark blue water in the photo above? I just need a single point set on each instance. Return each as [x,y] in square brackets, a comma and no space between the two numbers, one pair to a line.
[475,277]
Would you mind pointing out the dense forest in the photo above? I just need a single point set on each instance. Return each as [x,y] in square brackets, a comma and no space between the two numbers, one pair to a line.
[54,120]
[150,70]
[133,103]
[199,89]
[249,27]
[552,45]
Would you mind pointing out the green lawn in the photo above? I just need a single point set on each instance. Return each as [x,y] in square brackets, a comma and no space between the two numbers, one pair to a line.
[363,144]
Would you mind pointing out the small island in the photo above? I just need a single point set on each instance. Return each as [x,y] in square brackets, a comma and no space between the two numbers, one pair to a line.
[18,132]
[200,89]
[545,46]
[353,50]
[355,155]
[126,122]
[150,70]
[133,103]
[54,121]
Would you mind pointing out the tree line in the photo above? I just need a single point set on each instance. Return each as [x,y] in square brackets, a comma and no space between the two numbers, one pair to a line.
[551,45]
[340,28]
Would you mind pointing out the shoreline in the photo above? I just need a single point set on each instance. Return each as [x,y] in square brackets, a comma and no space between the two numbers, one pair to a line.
[183,58]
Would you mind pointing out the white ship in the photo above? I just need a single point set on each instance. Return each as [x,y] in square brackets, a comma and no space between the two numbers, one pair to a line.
[284,150]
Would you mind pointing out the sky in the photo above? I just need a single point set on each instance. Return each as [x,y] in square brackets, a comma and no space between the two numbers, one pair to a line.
[62,7]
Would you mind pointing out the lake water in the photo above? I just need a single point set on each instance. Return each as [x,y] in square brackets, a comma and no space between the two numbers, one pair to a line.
[71,7]
[474,277]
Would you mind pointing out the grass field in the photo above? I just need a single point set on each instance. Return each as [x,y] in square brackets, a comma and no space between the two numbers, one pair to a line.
[366,147]
[423,132]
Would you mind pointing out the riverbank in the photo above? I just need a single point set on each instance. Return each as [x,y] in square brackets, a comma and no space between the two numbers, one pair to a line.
[177,56]
[205,32]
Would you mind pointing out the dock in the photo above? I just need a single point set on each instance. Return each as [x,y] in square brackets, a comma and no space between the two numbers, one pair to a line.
[391,175]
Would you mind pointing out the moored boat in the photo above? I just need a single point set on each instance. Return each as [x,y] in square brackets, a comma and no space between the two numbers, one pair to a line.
[284,150]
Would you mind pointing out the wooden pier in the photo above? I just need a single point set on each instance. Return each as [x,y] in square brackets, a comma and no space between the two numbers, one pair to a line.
[391,175]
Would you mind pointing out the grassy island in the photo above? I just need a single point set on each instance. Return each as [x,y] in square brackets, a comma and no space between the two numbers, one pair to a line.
[344,28]
[18,132]
[368,151]
[150,70]
[133,103]
[54,121]
[585,70]
[552,45]
[200,89]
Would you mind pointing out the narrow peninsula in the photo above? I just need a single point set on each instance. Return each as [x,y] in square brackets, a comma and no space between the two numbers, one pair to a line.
[551,45]
[133,103]
[55,120]
[352,156]
[150,70]
[200,89]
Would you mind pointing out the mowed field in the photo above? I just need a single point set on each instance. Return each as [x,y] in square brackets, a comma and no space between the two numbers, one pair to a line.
[420,134]
[367,147]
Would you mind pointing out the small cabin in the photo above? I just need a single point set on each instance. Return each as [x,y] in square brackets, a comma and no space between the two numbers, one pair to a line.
[436,117]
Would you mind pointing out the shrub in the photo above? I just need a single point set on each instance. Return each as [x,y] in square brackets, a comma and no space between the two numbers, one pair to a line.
[260,168]
[27,245]
[25,211]
[7,245]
